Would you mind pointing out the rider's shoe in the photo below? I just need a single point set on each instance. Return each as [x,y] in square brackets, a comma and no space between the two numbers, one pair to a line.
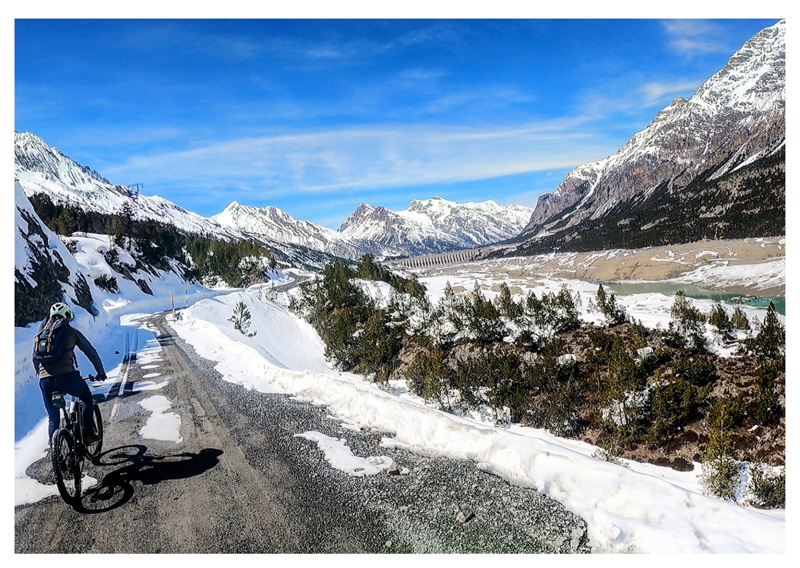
[90,437]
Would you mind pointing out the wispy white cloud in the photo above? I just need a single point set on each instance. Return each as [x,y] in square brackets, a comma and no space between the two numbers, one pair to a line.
[656,92]
[489,97]
[690,37]
[367,159]
[344,49]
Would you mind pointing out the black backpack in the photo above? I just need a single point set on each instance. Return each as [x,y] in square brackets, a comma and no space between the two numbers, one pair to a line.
[51,341]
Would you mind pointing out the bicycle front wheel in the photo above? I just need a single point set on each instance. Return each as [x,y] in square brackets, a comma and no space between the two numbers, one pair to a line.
[65,466]
[93,450]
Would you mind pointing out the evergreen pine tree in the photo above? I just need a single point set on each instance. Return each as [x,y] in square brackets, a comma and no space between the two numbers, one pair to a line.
[770,341]
[720,469]
[687,324]
[506,305]
[718,317]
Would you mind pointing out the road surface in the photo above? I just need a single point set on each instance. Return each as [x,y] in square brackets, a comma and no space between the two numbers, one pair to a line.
[240,480]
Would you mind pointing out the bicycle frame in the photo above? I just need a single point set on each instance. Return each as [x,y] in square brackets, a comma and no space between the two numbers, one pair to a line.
[71,418]
[68,448]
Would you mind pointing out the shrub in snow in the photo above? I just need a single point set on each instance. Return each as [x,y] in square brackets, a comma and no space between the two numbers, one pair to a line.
[608,453]
[557,389]
[699,370]
[552,313]
[718,317]
[720,477]
[767,487]
[687,325]
[506,305]
[360,334]
[378,346]
[267,294]
[739,319]
[429,376]
[241,319]
[672,405]
[448,320]
[768,408]
[107,283]
[490,377]
[621,393]
[483,319]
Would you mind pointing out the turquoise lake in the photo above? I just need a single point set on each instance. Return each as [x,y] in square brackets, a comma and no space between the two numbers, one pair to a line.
[670,289]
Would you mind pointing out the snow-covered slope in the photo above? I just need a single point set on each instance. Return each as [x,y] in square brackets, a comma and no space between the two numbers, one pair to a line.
[436,225]
[40,168]
[44,270]
[721,150]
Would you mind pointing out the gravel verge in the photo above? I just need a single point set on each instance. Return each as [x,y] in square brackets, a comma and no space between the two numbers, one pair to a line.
[435,505]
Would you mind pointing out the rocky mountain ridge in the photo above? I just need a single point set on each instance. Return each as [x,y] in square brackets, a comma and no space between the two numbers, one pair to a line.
[436,225]
[712,166]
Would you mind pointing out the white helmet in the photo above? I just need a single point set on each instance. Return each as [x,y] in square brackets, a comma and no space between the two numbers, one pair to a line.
[61,309]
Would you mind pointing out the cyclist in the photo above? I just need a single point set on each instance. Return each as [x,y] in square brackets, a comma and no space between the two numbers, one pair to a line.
[61,375]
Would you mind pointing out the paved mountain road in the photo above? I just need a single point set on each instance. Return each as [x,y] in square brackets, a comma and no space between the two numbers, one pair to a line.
[240,480]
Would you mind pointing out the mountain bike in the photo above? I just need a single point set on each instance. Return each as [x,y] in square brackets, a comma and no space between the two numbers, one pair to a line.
[67,447]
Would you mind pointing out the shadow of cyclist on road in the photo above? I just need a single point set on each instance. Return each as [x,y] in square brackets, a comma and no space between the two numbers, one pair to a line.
[117,486]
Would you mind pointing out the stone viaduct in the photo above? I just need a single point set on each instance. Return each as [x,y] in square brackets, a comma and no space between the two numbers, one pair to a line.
[441,259]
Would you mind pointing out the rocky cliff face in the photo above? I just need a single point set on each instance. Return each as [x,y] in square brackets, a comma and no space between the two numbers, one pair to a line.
[44,270]
[712,166]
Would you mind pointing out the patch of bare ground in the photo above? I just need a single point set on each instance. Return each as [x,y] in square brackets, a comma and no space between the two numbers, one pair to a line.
[651,264]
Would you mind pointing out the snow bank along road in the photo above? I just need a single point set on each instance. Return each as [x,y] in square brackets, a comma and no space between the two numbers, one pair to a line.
[194,464]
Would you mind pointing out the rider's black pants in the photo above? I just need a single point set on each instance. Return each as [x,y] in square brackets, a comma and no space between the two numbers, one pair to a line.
[69,383]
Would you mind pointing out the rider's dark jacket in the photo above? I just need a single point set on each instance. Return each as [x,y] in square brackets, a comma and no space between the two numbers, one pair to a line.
[67,363]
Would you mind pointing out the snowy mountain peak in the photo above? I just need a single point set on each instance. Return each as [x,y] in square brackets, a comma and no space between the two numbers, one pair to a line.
[734,122]
[436,224]
[33,154]
[752,76]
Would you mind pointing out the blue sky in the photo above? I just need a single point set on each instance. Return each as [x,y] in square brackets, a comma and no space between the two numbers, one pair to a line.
[318,116]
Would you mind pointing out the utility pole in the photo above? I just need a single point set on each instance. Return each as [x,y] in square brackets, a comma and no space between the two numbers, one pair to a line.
[133,188]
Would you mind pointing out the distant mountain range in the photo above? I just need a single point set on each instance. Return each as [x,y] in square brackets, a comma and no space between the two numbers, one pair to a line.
[709,167]
[427,226]
[436,225]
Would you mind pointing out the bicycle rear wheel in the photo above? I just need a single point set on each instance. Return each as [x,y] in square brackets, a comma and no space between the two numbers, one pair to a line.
[65,466]
[93,450]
